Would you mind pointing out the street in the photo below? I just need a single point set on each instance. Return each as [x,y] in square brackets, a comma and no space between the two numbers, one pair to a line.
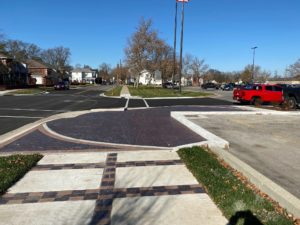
[16,111]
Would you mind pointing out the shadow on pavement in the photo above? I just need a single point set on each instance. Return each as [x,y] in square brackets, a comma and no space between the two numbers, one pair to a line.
[247,216]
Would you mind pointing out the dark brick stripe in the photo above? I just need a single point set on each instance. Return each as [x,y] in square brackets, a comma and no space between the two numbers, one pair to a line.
[52,196]
[69,166]
[107,165]
[149,163]
[102,211]
[157,191]
[104,196]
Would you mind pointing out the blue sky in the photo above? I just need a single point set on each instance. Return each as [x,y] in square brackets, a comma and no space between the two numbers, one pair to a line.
[220,31]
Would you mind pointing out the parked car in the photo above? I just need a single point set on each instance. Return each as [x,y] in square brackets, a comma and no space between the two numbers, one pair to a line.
[291,97]
[210,85]
[258,94]
[64,85]
[168,85]
[228,87]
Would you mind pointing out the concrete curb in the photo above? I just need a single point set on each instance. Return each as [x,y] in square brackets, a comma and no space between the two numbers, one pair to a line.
[276,192]
[217,145]
[82,141]
[212,140]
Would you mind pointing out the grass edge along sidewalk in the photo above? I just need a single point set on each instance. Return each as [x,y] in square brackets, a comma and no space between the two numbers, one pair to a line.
[13,168]
[115,91]
[233,194]
[151,92]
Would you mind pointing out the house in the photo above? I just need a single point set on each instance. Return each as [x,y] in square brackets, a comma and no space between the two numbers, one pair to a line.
[13,74]
[42,73]
[84,75]
[157,79]
[145,77]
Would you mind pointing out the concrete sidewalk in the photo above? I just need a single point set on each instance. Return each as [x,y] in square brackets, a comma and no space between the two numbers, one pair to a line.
[2,93]
[147,187]
[125,92]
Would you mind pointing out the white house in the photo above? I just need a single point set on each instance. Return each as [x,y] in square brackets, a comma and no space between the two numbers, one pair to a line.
[83,75]
[157,80]
[146,78]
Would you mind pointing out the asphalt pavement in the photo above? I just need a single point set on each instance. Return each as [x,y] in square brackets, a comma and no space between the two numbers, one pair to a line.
[16,111]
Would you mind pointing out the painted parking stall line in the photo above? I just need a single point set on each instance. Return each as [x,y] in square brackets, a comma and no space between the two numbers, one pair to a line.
[22,117]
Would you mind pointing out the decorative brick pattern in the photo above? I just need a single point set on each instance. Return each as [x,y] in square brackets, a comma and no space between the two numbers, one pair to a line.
[52,196]
[106,193]
[69,166]
[149,163]
[104,202]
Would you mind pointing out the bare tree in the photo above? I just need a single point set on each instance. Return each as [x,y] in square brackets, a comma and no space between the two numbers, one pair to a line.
[293,70]
[33,51]
[195,67]
[105,71]
[16,49]
[58,57]
[2,42]
[145,50]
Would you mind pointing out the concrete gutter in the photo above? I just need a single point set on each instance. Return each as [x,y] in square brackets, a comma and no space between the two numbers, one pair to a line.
[219,146]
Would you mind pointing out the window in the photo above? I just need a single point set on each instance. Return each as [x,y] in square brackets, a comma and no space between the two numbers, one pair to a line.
[257,87]
[276,88]
[269,88]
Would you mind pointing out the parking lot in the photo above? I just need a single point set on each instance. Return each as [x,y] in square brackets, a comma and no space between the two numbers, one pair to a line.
[16,111]
[268,143]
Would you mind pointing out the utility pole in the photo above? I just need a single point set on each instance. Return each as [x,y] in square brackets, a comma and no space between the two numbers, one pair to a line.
[253,65]
[181,41]
[175,44]
[120,69]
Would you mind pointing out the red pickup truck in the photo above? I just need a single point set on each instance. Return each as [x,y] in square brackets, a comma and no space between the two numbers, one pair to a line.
[258,93]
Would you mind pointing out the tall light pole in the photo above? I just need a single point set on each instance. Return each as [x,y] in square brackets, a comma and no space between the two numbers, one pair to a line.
[175,43]
[181,41]
[253,65]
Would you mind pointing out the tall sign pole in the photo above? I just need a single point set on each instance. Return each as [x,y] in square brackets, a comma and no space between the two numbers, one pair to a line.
[181,41]
[175,44]
[253,65]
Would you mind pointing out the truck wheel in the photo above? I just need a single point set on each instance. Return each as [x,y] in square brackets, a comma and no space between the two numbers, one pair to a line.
[291,103]
[256,101]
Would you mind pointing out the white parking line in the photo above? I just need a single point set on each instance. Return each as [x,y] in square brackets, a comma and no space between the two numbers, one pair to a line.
[22,117]
[146,103]
[33,110]
[126,106]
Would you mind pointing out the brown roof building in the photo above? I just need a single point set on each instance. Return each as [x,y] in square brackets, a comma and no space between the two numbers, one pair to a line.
[42,73]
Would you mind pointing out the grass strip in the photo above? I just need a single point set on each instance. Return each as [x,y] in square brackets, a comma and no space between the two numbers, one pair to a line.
[13,168]
[115,91]
[238,202]
[151,92]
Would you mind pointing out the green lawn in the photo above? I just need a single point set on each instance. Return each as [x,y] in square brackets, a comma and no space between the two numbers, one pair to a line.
[240,204]
[151,92]
[13,168]
[114,92]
